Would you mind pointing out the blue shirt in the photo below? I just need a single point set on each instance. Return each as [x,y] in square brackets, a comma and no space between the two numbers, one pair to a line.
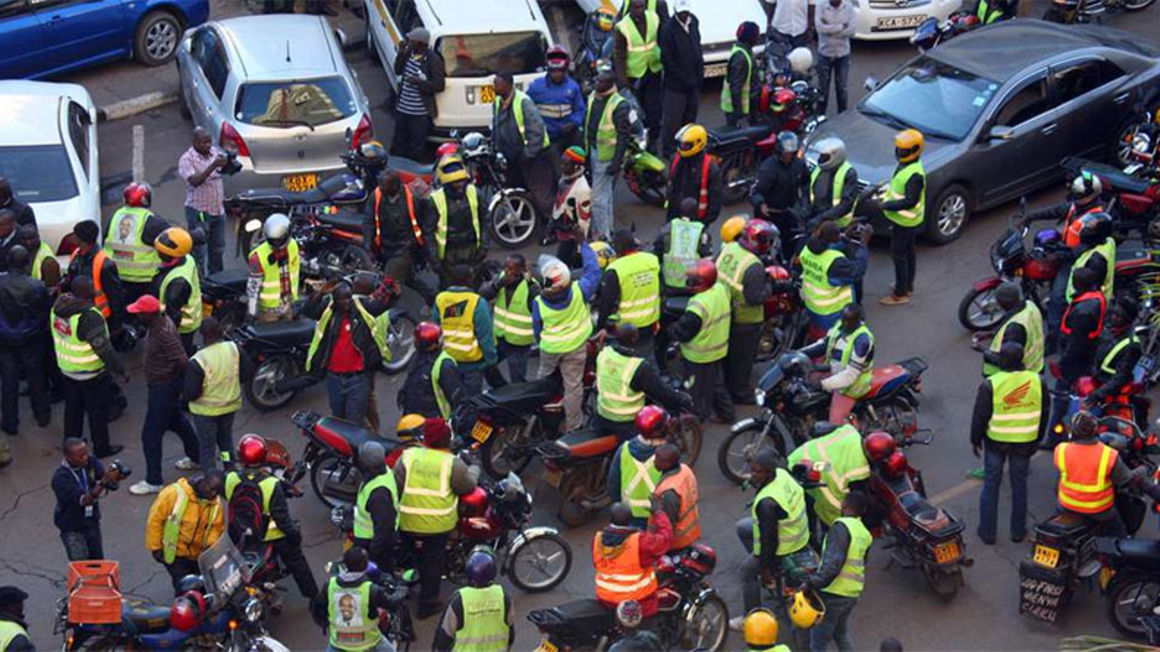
[587,284]
[559,104]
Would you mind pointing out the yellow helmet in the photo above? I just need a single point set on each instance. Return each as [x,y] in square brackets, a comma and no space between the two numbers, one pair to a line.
[605,254]
[409,426]
[174,242]
[807,609]
[907,145]
[692,139]
[451,169]
[732,228]
[760,628]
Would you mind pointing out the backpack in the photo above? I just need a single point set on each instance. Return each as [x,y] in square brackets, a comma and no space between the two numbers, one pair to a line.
[245,512]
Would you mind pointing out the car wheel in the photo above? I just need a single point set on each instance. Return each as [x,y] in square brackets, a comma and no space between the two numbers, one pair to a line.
[949,215]
[157,38]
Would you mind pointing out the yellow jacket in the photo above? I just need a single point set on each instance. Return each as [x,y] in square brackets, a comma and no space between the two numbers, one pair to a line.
[192,538]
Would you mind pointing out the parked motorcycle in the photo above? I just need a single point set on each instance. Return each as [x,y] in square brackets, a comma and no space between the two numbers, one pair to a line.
[278,350]
[223,295]
[691,615]
[1132,596]
[1086,11]
[1135,198]
[646,174]
[511,216]
[931,32]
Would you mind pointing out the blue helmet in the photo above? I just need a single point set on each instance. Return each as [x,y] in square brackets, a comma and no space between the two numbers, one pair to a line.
[480,567]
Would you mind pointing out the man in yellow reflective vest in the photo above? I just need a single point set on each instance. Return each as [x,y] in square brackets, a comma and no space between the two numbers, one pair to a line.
[740,266]
[630,290]
[608,126]
[432,382]
[742,76]
[677,489]
[680,243]
[1097,252]
[478,617]
[624,381]
[703,334]
[833,189]
[430,480]
[636,58]
[632,476]
[454,232]
[213,389]
[904,206]
[840,451]
[45,267]
[177,284]
[841,577]
[275,268]
[514,293]
[848,350]
[1022,324]
[130,237]
[376,512]
[186,518]
[13,626]
[1010,416]
[832,272]
[349,607]
[468,330]
[518,132]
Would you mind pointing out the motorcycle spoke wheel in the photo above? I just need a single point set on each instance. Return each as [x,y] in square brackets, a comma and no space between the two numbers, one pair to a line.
[401,340]
[261,390]
[735,452]
[649,187]
[541,563]
[1129,600]
[689,435]
[501,455]
[514,221]
[322,469]
[979,311]
[707,625]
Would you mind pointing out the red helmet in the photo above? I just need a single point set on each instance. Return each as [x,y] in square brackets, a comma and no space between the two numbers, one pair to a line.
[701,275]
[896,464]
[759,237]
[473,503]
[650,421]
[782,98]
[448,148]
[777,273]
[139,194]
[878,446]
[252,450]
[187,611]
[428,336]
[557,57]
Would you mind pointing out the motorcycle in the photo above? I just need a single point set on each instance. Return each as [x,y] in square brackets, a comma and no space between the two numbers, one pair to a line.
[223,295]
[278,350]
[595,45]
[1132,590]
[511,216]
[395,622]
[795,107]
[1086,11]
[1135,202]
[790,407]
[931,32]
[646,174]
[691,614]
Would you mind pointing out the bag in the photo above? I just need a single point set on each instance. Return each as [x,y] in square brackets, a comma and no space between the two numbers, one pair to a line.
[247,521]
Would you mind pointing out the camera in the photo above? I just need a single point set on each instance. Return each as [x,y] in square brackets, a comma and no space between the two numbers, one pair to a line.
[119,469]
[231,166]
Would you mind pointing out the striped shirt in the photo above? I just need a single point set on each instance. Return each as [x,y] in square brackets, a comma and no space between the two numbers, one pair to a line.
[410,101]
[209,197]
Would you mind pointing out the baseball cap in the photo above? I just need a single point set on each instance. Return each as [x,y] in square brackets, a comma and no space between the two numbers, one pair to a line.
[146,304]
[682,5]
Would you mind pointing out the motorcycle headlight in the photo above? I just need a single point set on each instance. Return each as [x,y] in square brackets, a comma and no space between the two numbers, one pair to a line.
[759,397]
[253,610]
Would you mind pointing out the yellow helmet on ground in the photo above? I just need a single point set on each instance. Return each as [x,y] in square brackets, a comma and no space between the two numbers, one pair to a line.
[907,145]
[605,254]
[451,169]
[692,139]
[732,228]
[410,426]
[760,628]
[174,242]
[807,609]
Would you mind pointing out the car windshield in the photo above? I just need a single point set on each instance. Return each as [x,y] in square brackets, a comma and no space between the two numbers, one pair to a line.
[479,55]
[39,173]
[310,102]
[937,99]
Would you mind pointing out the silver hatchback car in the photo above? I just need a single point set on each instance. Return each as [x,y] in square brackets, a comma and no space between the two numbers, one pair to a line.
[275,90]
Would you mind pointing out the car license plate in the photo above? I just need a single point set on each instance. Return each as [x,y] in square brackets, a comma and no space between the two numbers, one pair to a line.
[481,431]
[300,182]
[944,553]
[553,478]
[486,94]
[716,69]
[206,309]
[1045,556]
[547,646]
[899,22]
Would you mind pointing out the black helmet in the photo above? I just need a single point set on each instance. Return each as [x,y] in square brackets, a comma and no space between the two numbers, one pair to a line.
[1095,228]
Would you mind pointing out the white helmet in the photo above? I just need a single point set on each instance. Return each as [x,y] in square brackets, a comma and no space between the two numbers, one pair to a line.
[800,60]
[831,153]
[277,229]
[554,273]
[1086,187]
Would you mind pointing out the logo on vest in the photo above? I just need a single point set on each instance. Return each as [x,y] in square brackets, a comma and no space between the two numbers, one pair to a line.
[62,326]
[456,309]
[1015,397]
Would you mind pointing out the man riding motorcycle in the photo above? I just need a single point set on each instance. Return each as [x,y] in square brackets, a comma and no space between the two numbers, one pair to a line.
[624,379]
[632,476]
[1116,356]
[849,351]
[833,189]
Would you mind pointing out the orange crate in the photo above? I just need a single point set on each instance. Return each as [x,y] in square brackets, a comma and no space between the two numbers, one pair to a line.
[94,592]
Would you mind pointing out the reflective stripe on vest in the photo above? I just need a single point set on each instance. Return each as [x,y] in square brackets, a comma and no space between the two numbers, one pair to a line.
[221,387]
[517,107]
[440,397]
[702,188]
[841,453]
[732,263]
[684,237]
[1091,294]
[819,295]
[42,253]
[100,299]
[792,531]
[72,353]
[638,481]
[1107,249]
[837,185]
[513,317]
[914,215]
[619,574]
[986,13]
[1085,477]
[606,129]
[1031,320]
[136,261]
[861,385]
[727,91]
[643,54]
[350,627]
[564,331]
[439,199]
[270,296]
[615,398]
[267,485]
[364,525]
[171,530]
[191,312]
[416,230]
[851,577]
[1016,406]
[638,275]
[9,631]
[711,343]
[427,505]
[484,627]
[1107,365]
[457,317]
[687,528]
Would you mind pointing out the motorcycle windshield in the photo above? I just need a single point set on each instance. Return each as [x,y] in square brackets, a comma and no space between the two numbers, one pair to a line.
[222,567]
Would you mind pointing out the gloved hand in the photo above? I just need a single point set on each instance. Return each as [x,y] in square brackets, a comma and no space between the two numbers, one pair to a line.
[159,556]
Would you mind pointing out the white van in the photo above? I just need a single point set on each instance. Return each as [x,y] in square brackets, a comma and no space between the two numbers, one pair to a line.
[477,38]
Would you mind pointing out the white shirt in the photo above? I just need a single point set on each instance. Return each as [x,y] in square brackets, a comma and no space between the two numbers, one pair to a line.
[791,17]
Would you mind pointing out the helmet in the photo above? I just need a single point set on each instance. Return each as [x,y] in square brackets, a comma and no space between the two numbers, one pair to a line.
[410,426]
[428,336]
[759,237]
[1085,187]
[252,450]
[831,153]
[372,457]
[629,614]
[604,18]
[878,446]
[787,141]
[138,194]
[782,98]
[451,169]
[277,229]
[191,583]
[1047,237]
[1084,425]
[474,144]
[557,57]
[473,504]
[895,464]
[554,273]
[807,609]
[650,421]
[605,254]
[174,242]
[760,628]
[480,566]
[700,275]
[907,145]
[691,140]
[777,273]
[186,612]
[1095,228]
[732,227]
[373,151]
[748,32]
[800,60]
[448,148]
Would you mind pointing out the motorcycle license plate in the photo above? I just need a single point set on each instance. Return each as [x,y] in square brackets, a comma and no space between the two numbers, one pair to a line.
[1045,556]
[300,182]
[486,94]
[553,478]
[206,309]
[944,553]
[481,431]
[547,646]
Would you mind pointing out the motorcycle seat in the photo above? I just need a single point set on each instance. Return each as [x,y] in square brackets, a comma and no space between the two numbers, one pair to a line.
[1140,552]
[748,134]
[283,197]
[930,517]
[588,442]
[412,167]
[523,397]
[350,220]
[1064,525]
[884,380]
[673,307]
[144,617]
[288,333]
[1131,257]
[228,279]
[578,615]
[353,433]
[1117,178]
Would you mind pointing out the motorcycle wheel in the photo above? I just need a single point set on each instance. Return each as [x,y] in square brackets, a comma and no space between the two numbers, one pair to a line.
[261,392]
[690,433]
[706,626]
[979,311]
[1120,150]
[944,584]
[1129,597]
[401,340]
[735,451]
[1136,5]
[574,488]
[735,167]
[648,186]
[513,219]
[499,457]
[324,466]
[541,563]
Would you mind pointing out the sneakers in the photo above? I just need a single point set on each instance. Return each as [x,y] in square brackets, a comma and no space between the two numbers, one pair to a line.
[891,300]
[737,623]
[143,488]
[185,464]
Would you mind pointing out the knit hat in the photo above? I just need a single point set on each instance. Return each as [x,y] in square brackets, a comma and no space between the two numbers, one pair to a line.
[419,34]
[436,433]
[576,154]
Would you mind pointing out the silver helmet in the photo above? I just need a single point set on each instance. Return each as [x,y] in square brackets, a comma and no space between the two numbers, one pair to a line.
[276,229]
[831,153]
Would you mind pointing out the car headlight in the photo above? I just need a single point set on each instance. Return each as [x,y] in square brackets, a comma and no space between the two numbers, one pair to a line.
[759,397]
[253,610]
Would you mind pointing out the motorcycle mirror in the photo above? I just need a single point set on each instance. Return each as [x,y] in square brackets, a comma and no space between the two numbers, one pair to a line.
[870,84]
[253,225]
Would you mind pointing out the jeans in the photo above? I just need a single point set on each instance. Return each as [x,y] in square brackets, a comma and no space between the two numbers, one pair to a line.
[214,227]
[902,239]
[571,366]
[603,189]
[835,625]
[410,137]
[349,395]
[839,67]
[163,413]
[517,359]
[82,545]
[679,108]
[92,397]
[989,499]
[429,564]
[25,359]
[214,432]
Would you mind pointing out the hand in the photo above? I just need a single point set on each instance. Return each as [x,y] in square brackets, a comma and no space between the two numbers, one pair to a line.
[159,556]
[763,209]
[977,450]
[654,502]
[219,161]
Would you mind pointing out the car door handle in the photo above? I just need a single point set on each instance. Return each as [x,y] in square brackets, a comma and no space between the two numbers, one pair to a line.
[1049,129]
[1121,98]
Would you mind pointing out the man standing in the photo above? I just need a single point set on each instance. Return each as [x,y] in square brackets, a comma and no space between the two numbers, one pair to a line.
[23,212]
[625,379]
[518,132]
[842,576]
[376,511]
[1022,324]
[703,332]
[421,72]
[1080,330]
[782,186]
[607,131]
[830,277]
[479,616]
[78,484]
[186,519]
[834,21]
[847,466]
[349,344]
[740,267]
[468,335]
[24,309]
[630,290]
[213,389]
[397,232]
[350,606]
[626,556]
[742,86]
[433,381]
[274,273]
[790,26]
[694,174]
[684,71]
[560,102]
[677,489]
[562,323]
[904,205]
[45,266]
[13,628]
[200,166]
[848,351]
[89,261]
[514,293]
[636,57]
[177,284]
[457,237]
[8,236]
[129,240]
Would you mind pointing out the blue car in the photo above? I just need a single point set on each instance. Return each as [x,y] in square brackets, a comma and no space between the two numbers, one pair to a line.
[43,38]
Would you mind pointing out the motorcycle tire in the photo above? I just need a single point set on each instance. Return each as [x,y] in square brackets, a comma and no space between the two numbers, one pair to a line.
[495,463]
[401,340]
[261,392]
[1130,596]
[1137,5]
[981,320]
[572,490]
[535,552]
[1120,149]
[648,186]
[689,436]
[324,465]
[706,625]
[735,451]
[512,220]
[738,165]
[944,584]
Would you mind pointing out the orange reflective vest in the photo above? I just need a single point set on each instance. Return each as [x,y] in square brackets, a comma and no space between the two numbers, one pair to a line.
[410,213]
[619,574]
[703,194]
[1085,477]
[1073,221]
[1090,294]
[687,527]
[100,299]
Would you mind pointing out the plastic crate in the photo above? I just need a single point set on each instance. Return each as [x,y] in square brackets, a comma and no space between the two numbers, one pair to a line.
[94,592]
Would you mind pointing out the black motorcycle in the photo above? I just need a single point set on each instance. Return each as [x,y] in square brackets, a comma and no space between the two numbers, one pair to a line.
[1087,11]
[511,216]
[223,295]
[1132,597]
[278,350]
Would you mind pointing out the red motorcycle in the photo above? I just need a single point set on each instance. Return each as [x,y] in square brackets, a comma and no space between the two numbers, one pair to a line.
[1135,203]
[786,322]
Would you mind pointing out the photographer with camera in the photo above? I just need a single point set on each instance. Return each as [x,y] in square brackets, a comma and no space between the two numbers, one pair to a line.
[202,167]
[78,484]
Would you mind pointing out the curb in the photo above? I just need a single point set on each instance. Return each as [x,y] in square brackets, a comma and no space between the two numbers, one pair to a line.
[136,105]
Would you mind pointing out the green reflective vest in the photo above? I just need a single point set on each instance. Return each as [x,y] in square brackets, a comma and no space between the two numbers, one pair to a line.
[643,52]
[171,529]
[1108,364]
[1107,249]
[841,453]
[606,130]
[851,578]
[819,295]
[270,296]
[267,484]
[484,627]
[221,389]
[913,216]
[9,631]
[439,199]
[191,312]
[727,92]
[837,186]
[986,13]
[638,481]
[1031,320]
[711,342]
[616,400]
[513,316]
[639,276]
[440,397]
[564,331]
[684,238]
[792,531]
[518,113]
[72,353]
[349,626]
[42,252]
[377,327]
[428,505]
[136,261]
[862,383]
[364,525]
[732,263]
[1016,406]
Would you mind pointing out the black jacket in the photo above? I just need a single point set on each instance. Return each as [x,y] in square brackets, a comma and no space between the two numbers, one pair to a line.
[620,118]
[82,265]
[735,78]
[361,332]
[1078,349]
[822,207]
[981,418]
[24,308]
[69,486]
[91,328]
[395,231]
[381,548]
[684,67]
[1013,334]
[435,70]
[648,379]
[176,295]
[912,195]
[686,182]
[780,186]
[1123,365]
[24,213]
[417,395]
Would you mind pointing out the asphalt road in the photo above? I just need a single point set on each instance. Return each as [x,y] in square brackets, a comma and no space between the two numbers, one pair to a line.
[897,603]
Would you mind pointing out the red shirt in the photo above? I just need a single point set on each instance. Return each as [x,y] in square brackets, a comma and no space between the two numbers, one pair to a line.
[345,356]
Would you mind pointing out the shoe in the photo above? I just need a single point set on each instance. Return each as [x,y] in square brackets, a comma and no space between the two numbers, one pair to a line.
[737,623]
[143,488]
[185,464]
[891,300]
[977,474]
[1018,538]
[984,539]
[111,451]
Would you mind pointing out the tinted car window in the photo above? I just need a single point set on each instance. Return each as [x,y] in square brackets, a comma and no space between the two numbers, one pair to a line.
[1076,79]
[211,57]
[1028,102]
[405,16]
[39,173]
[478,55]
[9,8]
[78,133]
[286,104]
[933,97]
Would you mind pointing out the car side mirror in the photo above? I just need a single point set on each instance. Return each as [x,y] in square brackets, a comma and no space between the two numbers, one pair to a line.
[870,84]
[343,41]
[1000,132]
